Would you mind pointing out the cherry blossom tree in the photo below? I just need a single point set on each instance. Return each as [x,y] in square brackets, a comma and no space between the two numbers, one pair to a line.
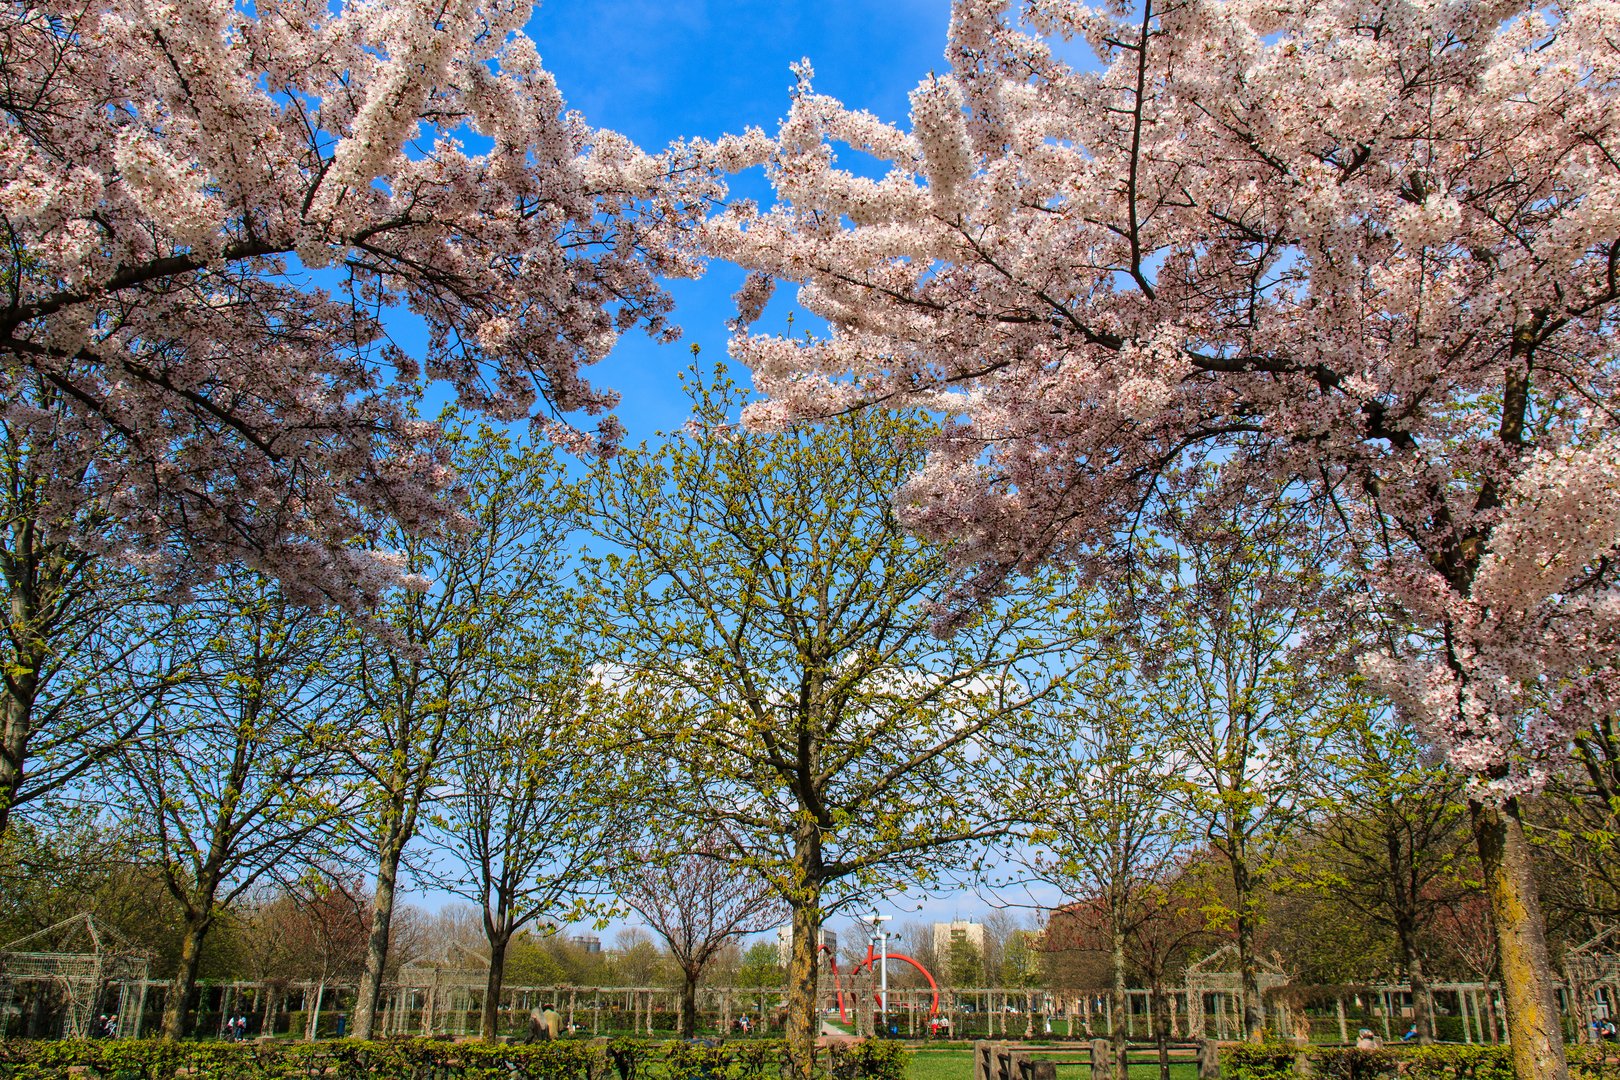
[207,209]
[1367,248]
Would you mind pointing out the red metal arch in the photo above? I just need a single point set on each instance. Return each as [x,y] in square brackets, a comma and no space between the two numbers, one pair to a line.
[871,959]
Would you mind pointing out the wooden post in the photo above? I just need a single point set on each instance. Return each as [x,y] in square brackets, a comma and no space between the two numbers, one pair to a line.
[140,1012]
[1209,1060]
[1344,1029]
[1102,1060]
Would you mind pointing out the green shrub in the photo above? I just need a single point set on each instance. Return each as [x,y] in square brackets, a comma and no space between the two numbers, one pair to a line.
[1268,1060]
[1599,1061]
[870,1059]
[433,1059]
[1274,1061]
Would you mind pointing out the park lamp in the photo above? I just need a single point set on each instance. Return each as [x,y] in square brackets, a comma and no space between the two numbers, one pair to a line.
[882,937]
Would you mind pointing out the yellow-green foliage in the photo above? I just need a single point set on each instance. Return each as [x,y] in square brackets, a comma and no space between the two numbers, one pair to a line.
[1275,1061]
[411,1059]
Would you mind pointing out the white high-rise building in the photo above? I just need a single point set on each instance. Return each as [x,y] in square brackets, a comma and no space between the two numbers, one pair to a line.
[966,930]
[947,936]
[784,942]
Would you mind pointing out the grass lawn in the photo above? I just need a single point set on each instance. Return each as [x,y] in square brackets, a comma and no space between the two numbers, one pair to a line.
[958,1065]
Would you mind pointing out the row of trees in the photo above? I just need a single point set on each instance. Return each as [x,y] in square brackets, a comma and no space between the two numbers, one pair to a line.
[739,711]
[242,736]
[746,677]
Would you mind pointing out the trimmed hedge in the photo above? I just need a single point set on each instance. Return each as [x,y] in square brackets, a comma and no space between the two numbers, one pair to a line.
[1278,1061]
[435,1059]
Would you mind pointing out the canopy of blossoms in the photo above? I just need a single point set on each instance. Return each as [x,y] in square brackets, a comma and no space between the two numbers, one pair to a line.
[207,208]
[1365,247]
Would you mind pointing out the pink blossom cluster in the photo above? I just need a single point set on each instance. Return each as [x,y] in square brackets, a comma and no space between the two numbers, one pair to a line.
[209,206]
[1367,248]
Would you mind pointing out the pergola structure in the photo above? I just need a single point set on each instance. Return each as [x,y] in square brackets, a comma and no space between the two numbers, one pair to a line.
[1592,974]
[1214,990]
[72,964]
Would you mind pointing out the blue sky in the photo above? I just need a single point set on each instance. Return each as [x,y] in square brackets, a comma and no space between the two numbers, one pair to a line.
[658,71]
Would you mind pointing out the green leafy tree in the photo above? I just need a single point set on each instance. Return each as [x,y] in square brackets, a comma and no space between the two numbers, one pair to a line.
[534,809]
[1100,791]
[1245,704]
[79,859]
[775,627]
[529,962]
[1391,835]
[240,779]
[761,967]
[1575,827]
[418,670]
[964,964]
[1020,960]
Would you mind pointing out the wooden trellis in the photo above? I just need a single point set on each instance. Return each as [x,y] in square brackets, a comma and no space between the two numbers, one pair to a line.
[80,962]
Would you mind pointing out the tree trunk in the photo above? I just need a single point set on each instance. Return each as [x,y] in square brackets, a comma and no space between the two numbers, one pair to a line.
[689,989]
[1118,1001]
[803,1021]
[489,1022]
[271,1009]
[1422,1004]
[312,1025]
[14,750]
[176,1011]
[1161,1027]
[21,691]
[1527,981]
[382,919]
[1254,1015]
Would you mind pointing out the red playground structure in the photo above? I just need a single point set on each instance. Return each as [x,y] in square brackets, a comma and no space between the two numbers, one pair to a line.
[871,959]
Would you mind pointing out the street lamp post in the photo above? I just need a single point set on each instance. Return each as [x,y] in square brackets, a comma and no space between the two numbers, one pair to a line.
[883,964]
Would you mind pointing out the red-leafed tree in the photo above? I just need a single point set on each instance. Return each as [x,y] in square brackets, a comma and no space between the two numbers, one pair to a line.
[1370,249]
[698,903]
